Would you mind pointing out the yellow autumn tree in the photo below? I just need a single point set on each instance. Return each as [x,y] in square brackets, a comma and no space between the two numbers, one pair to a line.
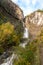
[8,35]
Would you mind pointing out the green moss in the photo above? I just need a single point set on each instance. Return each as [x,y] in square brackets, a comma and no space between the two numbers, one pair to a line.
[40,10]
[3,18]
[1,49]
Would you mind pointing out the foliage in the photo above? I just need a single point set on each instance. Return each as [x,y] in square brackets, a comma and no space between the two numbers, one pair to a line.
[3,18]
[39,38]
[26,54]
[40,10]
[1,49]
[19,29]
[22,62]
[8,35]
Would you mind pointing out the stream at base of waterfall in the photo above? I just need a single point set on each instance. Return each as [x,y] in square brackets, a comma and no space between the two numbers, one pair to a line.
[9,60]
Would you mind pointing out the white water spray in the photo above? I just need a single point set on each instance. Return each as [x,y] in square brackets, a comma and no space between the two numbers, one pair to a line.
[25,36]
[9,61]
[25,33]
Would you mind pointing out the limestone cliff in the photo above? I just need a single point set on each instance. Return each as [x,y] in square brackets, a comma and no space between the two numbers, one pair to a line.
[34,22]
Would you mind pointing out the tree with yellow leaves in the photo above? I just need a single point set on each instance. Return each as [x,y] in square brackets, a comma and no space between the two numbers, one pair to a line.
[8,35]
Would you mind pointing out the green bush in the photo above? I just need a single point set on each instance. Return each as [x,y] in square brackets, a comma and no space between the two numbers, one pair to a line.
[1,50]
[22,62]
[26,54]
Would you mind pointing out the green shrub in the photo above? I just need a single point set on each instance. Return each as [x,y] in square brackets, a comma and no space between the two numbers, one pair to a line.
[21,61]
[1,50]
[28,54]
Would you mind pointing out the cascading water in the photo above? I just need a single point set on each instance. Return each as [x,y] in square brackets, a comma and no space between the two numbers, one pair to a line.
[25,36]
[25,33]
[9,60]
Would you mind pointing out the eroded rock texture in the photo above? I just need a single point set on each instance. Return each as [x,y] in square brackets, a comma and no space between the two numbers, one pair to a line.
[34,22]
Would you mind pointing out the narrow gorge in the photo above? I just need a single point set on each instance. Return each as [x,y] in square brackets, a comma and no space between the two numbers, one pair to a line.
[21,37]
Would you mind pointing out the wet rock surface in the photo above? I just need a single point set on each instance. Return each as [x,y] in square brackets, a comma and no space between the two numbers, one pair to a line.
[4,56]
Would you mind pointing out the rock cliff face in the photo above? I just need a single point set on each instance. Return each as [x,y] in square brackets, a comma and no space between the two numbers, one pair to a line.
[12,8]
[34,22]
[10,12]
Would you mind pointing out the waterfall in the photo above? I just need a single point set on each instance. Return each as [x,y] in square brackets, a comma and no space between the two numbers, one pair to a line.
[25,33]
[25,36]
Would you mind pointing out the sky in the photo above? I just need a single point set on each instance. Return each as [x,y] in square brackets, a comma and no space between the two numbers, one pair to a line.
[28,6]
